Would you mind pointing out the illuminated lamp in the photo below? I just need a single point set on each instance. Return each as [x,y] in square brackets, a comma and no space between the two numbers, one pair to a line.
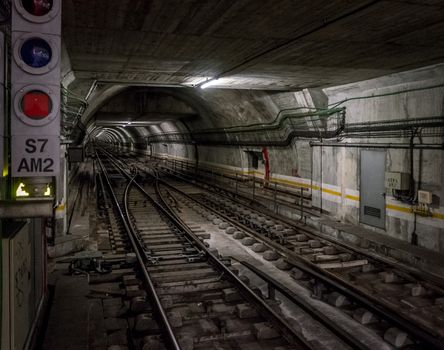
[36,104]
[20,191]
[37,7]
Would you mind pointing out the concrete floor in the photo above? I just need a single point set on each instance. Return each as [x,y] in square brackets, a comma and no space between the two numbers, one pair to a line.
[70,313]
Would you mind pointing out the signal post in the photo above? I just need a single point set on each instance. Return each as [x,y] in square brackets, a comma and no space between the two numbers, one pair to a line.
[35,102]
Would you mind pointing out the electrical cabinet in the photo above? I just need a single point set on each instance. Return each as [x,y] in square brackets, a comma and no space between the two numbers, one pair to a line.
[397,181]
[425,197]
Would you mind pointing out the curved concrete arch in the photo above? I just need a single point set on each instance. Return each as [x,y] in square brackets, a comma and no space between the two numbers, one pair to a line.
[118,135]
[142,130]
[137,132]
[124,135]
[127,132]
[107,136]
[113,134]
[190,96]
[211,114]
[186,95]
[99,98]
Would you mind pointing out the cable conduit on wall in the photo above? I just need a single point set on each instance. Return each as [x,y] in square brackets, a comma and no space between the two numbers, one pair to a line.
[282,135]
[378,145]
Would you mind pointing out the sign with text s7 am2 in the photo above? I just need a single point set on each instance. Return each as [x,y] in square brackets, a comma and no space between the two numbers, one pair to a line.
[34,155]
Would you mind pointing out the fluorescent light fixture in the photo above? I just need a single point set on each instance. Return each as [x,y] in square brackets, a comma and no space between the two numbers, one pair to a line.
[209,82]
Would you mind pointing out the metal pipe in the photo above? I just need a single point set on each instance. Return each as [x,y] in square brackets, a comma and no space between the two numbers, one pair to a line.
[140,83]
[429,146]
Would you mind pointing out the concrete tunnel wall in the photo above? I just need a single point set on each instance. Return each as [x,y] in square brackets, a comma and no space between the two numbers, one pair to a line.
[341,167]
[336,187]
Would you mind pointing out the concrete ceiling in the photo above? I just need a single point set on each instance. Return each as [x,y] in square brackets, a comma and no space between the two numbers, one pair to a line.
[266,44]
[120,119]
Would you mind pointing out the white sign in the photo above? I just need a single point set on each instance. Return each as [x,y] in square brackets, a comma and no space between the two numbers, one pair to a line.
[35,156]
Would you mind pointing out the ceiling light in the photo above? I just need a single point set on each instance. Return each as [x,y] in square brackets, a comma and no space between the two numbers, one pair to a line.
[209,82]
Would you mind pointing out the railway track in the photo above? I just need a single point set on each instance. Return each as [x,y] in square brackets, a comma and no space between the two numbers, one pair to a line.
[196,301]
[403,308]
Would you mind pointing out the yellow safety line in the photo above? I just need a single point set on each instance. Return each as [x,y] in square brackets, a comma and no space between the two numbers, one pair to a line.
[399,208]
[61,207]
[354,198]
[289,182]
[438,216]
[335,193]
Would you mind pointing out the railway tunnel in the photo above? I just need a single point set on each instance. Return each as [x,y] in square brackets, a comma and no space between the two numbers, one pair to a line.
[222,174]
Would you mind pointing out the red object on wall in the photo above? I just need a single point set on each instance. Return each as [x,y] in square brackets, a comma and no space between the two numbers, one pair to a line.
[267,166]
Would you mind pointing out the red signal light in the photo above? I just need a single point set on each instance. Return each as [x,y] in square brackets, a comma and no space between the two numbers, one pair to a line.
[37,7]
[36,105]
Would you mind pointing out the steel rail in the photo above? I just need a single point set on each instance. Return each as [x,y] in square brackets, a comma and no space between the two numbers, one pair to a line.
[170,338]
[373,304]
[263,308]
[346,335]
[229,194]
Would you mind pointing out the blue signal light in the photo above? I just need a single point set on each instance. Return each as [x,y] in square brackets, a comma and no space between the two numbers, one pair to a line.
[36,52]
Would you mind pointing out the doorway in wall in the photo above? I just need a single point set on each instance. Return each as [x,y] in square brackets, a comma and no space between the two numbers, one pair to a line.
[255,162]
[372,188]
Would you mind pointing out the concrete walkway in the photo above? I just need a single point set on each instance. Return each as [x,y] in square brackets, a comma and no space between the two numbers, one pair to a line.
[68,320]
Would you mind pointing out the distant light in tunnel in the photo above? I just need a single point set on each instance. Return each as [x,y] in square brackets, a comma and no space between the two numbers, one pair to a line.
[209,83]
